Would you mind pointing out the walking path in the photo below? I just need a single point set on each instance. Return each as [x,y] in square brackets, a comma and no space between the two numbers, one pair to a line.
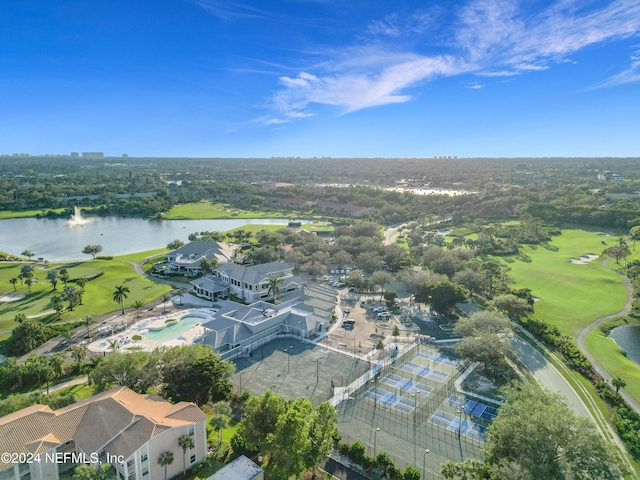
[580,339]
[76,381]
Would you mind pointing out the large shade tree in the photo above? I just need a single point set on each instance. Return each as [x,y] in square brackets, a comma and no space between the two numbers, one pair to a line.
[536,431]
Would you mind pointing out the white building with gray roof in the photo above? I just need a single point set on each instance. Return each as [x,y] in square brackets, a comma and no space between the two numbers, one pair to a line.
[237,330]
[248,283]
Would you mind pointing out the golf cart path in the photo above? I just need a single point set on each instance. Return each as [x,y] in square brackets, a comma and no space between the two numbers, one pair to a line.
[580,339]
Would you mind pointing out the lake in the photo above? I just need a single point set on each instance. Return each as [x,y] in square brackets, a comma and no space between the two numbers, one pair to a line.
[56,240]
[628,338]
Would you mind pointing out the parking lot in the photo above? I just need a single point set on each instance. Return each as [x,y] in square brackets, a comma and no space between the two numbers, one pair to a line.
[359,329]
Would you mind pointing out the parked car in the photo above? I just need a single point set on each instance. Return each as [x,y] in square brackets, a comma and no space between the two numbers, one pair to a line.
[379,309]
[120,327]
[384,314]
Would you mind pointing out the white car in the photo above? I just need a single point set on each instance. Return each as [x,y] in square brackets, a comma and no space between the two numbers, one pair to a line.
[384,314]
[379,309]
[119,328]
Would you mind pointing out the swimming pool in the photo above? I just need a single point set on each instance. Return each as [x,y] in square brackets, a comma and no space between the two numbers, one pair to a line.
[172,332]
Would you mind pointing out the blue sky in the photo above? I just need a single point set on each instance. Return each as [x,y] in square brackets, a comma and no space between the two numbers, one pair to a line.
[223,78]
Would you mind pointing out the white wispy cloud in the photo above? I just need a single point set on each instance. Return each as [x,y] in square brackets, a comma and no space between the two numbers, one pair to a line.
[488,38]
[498,33]
[356,84]
[630,75]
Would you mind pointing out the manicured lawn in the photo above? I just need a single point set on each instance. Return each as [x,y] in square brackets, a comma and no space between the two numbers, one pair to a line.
[206,210]
[140,256]
[98,296]
[80,392]
[255,228]
[571,296]
[25,213]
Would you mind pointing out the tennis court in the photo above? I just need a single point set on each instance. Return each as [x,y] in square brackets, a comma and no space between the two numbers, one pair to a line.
[390,400]
[459,425]
[471,407]
[426,372]
[439,358]
[407,385]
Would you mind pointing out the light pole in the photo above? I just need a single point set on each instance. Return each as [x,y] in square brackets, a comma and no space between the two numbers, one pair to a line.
[300,329]
[240,384]
[354,347]
[317,361]
[375,438]
[424,463]
[288,356]
[459,422]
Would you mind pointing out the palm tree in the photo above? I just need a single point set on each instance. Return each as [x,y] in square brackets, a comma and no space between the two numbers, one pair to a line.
[64,276]
[165,299]
[618,383]
[274,289]
[13,282]
[72,295]
[165,459]
[180,293]
[56,302]
[81,282]
[220,418]
[137,306]
[29,282]
[20,317]
[113,345]
[87,321]
[187,443]
[52,277]
[120,294]
[79,353]
[57,364]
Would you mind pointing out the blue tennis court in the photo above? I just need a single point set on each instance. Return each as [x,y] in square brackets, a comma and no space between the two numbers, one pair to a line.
[471,407]
[390,400]
[425,372]
[456,424]
[439,358]
[406,385]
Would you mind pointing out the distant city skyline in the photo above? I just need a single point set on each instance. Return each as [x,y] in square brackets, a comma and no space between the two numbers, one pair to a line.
[321,78]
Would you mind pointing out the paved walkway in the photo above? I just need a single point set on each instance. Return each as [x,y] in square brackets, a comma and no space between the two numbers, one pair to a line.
[580,339]
[76,381]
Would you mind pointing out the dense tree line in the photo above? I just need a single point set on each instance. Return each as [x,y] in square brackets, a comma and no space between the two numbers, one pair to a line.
[192,373]
[294,434]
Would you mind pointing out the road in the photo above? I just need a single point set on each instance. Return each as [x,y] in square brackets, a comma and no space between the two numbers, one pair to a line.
[391,233]
[580,339]
[549,377]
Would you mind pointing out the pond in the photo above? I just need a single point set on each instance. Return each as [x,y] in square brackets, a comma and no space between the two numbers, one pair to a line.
[58,240]
[628,338]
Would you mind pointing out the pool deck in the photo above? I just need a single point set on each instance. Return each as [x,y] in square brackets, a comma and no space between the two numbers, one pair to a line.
[125,342]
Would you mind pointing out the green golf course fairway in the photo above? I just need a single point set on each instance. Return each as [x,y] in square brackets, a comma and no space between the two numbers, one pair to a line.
[206,210]
[570,296]
[98,296]
[613,359]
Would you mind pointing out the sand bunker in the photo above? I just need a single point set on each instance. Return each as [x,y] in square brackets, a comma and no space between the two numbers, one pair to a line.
[584,259]
[11,298]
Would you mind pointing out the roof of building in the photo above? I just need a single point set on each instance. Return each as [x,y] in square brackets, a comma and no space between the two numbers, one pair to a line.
[211,283]
[253,274]
[240,469]
[118,420]
[197,248]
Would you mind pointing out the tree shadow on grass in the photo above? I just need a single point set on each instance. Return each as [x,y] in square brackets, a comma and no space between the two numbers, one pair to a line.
[523,257]
[549,247]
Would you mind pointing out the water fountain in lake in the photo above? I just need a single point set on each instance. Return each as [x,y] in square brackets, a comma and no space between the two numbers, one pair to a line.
[76,219]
